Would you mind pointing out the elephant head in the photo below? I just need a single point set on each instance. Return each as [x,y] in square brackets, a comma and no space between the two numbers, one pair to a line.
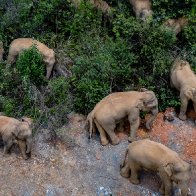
[1,51]
[180,174]
[150,104]
[24,132]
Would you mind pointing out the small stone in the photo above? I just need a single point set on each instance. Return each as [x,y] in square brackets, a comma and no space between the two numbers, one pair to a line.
[72,163]
[53,160]
[98,156]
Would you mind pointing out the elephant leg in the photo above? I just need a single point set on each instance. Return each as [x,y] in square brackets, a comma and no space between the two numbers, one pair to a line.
[125,171]
[104,140]
[11,59]
[110,131]
[134,173]
[171,84]
[7,145]
[166,186]
[134,124]
[22,146]
[162,189]
[48,70]
[120,126]
[194,105]
[183,108]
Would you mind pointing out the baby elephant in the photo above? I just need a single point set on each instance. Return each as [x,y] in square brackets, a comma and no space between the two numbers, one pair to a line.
[115,107]
[15,131]
[150,155]
[18,45]
[184,79]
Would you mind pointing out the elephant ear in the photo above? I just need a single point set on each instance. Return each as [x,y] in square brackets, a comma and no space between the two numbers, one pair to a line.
[168,169]
[189,93]
[150,97]
[140,104]
[27,120]
[194,92]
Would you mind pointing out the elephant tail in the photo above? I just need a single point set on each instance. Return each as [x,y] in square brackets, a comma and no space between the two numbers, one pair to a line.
[124,160]
[91,125]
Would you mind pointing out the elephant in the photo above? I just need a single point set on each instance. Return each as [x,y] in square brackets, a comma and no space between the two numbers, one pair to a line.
[98,4]
[176,24]
[18,45]
[1,51]
[142,8]
[184,80]
[16,131]
[115,107]
[154,156]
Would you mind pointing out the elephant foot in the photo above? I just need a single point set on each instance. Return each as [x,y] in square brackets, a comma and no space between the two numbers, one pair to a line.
[25,157]
[104,142]
[182,117]
[131,139]
[5,154]
[115,141]
[124,173]
[162,192]
[134,181]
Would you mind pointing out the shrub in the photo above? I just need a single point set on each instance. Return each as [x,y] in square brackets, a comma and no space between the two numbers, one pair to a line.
[105,66]
[31,67]
[117,54]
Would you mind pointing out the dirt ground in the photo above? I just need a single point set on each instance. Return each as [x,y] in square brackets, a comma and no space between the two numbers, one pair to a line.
[72,165]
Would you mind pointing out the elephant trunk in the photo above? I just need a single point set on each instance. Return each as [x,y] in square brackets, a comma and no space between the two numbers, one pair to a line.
[29,144]
[150,120]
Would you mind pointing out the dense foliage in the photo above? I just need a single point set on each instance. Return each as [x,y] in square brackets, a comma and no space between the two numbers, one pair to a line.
[30,66]
[113,52]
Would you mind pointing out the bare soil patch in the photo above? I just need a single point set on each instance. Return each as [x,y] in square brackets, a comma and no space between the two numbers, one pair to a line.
[70,164]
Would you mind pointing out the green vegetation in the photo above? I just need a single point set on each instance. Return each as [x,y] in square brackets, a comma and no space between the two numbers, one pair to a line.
[110,53]
[30,66]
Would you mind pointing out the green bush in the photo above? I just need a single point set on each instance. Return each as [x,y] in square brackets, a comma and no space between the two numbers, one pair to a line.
[31,67]
[118,53]
[101,66]
[47,104]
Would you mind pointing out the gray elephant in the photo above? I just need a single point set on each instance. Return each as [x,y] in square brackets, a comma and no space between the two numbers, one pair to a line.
[116,107]
[150,155]
[184,79]
[15,131]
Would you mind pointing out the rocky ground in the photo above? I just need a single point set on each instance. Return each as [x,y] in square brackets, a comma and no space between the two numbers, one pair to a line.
[72,165]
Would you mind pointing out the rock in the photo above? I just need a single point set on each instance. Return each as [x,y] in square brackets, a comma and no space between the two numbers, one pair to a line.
[102,191]
[53,191]
[98,156]
[44,135]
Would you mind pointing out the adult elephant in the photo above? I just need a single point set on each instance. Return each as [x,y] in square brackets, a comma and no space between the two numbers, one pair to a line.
[17,46]
[184,79]
[154,156]
[16,131]
[115,107]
